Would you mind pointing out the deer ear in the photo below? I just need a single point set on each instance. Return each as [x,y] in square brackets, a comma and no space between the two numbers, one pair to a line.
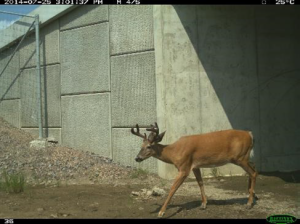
[160,136]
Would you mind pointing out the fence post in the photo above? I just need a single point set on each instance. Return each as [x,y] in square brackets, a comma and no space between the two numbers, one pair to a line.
[38,73]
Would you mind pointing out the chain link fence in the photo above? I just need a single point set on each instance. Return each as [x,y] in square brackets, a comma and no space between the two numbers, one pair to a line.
[20,75]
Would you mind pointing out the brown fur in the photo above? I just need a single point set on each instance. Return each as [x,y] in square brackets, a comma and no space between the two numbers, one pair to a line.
[190,153]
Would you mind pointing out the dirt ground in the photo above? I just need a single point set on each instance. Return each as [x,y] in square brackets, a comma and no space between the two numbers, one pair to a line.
[226,199]
[69,183]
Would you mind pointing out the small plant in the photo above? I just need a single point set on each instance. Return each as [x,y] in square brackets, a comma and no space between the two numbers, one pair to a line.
[163,183]
[1,186]
[139,173]
[13,183]
[215,172]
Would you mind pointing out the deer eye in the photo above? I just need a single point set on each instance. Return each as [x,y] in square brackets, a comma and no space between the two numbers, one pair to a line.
[148,147]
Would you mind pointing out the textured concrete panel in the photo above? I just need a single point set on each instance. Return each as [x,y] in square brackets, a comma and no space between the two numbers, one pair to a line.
[85,123]
[53,133]
[281,163]
[280,123]
[131,28]
[126,147]
[9,80]
[50,97]
[85,59]
[49,47]
[278,73]
[10,111]
[82,16]
[133,90]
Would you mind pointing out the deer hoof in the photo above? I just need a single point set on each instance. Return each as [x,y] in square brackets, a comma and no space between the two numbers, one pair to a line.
[249,205]
[160,214]
[203,206]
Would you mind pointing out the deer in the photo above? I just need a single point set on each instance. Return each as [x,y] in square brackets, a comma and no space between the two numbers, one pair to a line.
[190,153]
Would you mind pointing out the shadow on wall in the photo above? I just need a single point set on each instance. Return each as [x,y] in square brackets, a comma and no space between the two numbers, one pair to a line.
[250,60]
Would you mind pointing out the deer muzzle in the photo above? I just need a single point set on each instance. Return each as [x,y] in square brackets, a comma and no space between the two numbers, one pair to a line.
[138,159]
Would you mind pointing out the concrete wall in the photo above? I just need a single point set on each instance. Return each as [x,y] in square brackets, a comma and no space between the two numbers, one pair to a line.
[98,75]
[216,70]
[193,69]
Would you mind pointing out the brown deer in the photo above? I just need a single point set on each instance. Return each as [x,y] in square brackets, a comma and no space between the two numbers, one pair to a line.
[200,151]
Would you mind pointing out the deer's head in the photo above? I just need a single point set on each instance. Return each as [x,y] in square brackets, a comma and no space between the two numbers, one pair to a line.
[147,148]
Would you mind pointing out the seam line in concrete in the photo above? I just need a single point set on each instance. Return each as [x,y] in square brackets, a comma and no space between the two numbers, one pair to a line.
[42,66]
[88,93]
[132,52]
[258,94]
[78,27]
[10,99]
[128,127]
[110,87]
[43,127]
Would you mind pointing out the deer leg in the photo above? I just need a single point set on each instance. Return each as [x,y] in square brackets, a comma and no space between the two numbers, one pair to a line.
[252,178]
[178,181]
[252,166]
[198,176]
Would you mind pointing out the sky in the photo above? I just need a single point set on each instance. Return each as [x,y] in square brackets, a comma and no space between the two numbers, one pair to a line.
[6,20]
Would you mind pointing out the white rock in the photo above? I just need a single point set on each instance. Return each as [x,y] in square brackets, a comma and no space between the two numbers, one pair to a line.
[158,191]
[135,193]
[149,193]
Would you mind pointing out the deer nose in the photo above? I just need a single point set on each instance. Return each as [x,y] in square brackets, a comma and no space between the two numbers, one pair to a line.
[138,159]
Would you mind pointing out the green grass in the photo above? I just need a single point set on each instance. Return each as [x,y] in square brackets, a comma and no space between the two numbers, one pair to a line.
[12,183]
[139,173]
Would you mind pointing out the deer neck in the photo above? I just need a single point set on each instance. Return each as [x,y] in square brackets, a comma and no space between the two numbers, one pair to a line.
[163,153]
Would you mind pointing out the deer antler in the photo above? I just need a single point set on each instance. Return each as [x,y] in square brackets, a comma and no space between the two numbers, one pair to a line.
[154,136]
[137,133]
[154,129]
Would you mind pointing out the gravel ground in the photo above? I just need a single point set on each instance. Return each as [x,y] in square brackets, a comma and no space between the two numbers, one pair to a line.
[53,164]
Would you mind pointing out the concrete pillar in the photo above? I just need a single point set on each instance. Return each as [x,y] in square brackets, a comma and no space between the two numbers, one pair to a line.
[177,79]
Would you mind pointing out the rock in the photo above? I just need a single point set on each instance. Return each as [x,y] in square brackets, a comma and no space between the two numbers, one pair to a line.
[93,207]
[156,191]
[149,193]
[38,144]
[40,209]
[53,216]
[135,193]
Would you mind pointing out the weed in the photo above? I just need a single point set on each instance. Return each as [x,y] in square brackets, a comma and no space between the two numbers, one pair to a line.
[58,183]
[163,183]
[13,183]
[215,172]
